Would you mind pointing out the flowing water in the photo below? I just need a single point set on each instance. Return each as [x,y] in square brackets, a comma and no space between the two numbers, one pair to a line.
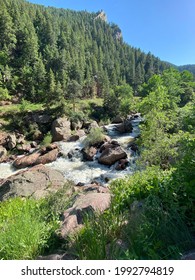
[78,171]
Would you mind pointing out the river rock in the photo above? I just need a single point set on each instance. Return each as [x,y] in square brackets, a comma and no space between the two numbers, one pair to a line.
[3,154]
[60,129]
[89,153]
[85,204]
[35,182]
[44,155]
[26,161]
[3,138]
[11,141]
[122,164]
[111,155]
[48,157]
[24,148]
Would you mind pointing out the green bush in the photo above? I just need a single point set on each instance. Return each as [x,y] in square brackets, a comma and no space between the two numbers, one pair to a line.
[47,139]
[24,230]
[4,94]
[94,137]
[156,232]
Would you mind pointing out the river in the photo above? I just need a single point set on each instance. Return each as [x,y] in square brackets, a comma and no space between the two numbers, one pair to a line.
[79,171]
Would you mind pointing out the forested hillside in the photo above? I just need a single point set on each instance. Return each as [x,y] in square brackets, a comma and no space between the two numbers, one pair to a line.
[43,51]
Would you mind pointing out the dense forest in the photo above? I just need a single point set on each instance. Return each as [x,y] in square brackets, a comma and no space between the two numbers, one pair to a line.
[56,62]
[43,50]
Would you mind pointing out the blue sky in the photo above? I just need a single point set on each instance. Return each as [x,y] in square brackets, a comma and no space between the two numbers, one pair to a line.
[166,28]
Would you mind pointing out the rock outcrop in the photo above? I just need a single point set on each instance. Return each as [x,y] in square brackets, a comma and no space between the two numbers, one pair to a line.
[35,182]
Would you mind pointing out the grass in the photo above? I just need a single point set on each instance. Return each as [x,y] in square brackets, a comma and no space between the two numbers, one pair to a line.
[24,230]
[29,227]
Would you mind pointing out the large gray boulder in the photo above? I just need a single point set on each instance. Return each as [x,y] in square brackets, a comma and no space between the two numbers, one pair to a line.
[35,182]
[111,155]
[61,129]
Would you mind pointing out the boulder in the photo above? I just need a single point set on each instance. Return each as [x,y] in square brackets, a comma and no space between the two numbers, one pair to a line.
[26,161]
[60,129]
[84,204]
[24,148]
[3,137]
[89,153]
[3,154]
[44,155]
[11,141]
[109,145]
[111,155]
[122,164]
[48,157]
[73,138]
[35,182]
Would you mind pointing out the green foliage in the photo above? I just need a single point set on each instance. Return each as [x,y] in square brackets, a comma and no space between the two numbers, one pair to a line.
[97,240]
[36,40]
[156,232]
[23,227]
[47,139]
[4,94]
[94,137]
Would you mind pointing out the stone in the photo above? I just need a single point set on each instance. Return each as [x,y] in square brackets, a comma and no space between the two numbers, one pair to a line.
[3,154]
[60,129]
[89,153]
[111,155]
[36,182]
[3,137]
[44,155]
[11,141]
[24,148]
[26,161]
[48,157]
[73,138]
[84,204]
[122,164]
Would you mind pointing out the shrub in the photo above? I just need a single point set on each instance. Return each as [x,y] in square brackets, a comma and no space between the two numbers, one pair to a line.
[4,94]
[24,229]
[47,139]
[94,137]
